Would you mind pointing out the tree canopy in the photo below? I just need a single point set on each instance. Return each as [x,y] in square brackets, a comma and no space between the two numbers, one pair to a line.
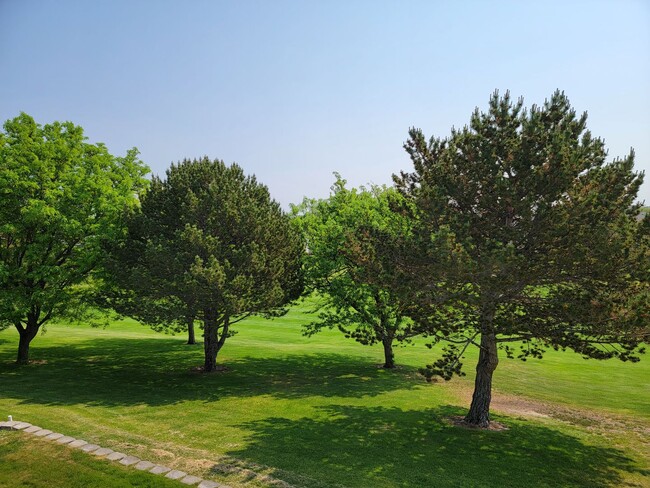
[347,296]
[523,234]
[62,199]
[209,244]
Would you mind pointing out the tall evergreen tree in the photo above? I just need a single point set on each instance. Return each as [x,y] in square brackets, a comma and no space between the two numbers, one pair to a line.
[543,244]
[209,244]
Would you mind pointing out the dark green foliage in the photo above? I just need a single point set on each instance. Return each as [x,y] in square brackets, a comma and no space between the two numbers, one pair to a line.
[339,266]
[62,200]
[209,244]
[540,237]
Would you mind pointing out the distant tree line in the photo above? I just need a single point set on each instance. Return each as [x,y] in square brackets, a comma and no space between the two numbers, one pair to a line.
[513,233]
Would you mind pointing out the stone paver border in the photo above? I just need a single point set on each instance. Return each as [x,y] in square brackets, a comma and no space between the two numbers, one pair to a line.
[129,460]
[144,465]
[115,456]
[102,451]
[89,447]
[209,484]
[160,469]
[175,474]
[110,455]
[190,480]
[78,443]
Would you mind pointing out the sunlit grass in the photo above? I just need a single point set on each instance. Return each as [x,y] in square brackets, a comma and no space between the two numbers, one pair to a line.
[25,461]
[319,411]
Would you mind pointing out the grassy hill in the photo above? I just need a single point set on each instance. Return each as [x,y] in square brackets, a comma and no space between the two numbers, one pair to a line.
[319,412]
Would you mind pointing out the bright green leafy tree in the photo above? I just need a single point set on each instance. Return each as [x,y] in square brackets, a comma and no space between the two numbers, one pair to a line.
[62,200]
[340,265]
[209,244]
[544,246]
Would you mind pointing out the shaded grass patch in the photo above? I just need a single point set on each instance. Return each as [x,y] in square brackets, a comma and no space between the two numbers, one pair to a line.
[317,412]
[382,447]
[157,372]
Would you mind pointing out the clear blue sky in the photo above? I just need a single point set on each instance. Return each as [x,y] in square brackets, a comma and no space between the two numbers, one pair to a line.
[294,90]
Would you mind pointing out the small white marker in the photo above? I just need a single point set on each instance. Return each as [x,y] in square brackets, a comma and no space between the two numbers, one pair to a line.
[11,419]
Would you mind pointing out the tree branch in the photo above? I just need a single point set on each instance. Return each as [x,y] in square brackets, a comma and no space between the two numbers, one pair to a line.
[245,316]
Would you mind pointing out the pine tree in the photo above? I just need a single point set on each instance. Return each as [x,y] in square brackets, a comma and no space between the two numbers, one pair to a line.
[543,244]
[209,244]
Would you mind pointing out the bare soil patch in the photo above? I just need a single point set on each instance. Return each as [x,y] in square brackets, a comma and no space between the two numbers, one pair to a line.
[609,425]
[200,370]
[460,422]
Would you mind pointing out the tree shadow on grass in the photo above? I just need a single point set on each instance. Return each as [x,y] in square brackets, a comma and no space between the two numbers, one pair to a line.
[114,372]
[385,447]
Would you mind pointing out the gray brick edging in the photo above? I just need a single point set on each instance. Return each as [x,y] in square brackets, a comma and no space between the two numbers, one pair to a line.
[110,455]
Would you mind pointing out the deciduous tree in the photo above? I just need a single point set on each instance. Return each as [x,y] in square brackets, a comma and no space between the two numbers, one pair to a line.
[340,266]
[62,199]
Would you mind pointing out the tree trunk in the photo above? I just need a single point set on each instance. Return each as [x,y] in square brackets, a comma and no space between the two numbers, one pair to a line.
[190,331]
[210,340]
[213,341]
[385,333]
[26,333]
[479,411]
[224,332]
[389,357]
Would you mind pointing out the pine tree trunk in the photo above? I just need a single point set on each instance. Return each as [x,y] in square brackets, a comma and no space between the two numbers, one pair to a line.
[210,342]
[479,411]
[389,357]
[191,339]
[26,333]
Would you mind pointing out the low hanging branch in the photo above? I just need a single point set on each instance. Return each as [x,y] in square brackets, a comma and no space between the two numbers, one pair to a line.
[209,243]
[522,228]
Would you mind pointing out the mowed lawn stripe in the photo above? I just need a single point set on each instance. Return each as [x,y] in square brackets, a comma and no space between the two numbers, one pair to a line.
[319,411]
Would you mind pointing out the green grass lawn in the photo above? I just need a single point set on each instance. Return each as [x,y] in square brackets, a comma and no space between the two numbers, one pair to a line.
[319,412]
[28,461]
